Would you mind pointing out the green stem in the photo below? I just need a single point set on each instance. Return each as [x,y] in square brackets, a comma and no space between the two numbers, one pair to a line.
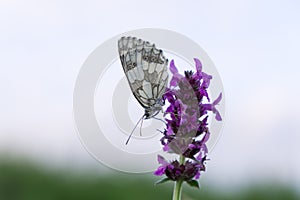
[181,159]
[178,184]
[177,190]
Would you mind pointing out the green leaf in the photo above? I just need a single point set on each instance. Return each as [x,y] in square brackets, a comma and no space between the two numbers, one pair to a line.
[193,183]
[162,181]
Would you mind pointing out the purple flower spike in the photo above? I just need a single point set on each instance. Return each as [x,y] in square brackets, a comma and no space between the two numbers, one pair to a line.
[186,119]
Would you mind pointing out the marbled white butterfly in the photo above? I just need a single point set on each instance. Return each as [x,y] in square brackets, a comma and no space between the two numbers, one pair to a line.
[145,68]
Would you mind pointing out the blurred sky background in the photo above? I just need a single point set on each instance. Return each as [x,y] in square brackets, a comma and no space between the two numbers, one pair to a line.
[254,45]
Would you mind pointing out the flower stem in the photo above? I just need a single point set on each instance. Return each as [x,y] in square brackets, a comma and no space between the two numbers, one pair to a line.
[177,190]
[181,159]
[178,184]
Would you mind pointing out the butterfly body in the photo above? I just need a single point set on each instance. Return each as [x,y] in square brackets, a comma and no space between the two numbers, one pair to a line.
[145,68]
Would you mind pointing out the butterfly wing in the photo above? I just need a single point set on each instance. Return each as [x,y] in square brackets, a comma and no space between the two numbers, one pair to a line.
[145,68]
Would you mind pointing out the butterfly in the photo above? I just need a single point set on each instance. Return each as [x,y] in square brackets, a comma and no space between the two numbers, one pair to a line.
[145,68]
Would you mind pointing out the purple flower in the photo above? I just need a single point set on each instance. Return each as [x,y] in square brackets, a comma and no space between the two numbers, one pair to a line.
[187,129]
[176,171]
[176,76]
[161,169]
[212,107]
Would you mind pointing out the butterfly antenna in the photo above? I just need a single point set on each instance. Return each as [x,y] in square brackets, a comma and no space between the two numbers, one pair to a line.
[141,125]
[134,128]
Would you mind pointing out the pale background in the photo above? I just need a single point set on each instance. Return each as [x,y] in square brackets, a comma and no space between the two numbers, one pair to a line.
[254,45]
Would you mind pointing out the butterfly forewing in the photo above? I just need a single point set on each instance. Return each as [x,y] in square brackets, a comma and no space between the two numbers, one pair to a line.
[146,70]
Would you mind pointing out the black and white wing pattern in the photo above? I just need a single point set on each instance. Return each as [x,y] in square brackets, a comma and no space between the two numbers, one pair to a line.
[146,70]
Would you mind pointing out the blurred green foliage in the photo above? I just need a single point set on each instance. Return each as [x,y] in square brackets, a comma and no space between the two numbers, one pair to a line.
[19,181]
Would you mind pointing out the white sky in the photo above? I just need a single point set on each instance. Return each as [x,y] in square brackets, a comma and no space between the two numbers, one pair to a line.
[254,45]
